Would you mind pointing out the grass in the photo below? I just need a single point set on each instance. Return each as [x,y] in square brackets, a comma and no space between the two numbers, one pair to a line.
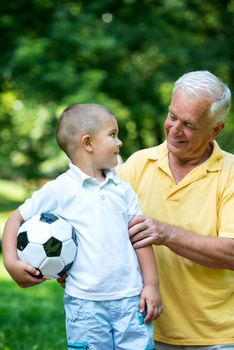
[32,318]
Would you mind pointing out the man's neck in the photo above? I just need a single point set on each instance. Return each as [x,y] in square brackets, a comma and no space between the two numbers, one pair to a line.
[180,167]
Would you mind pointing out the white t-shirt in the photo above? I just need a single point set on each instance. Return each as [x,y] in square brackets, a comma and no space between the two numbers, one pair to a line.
[106,265]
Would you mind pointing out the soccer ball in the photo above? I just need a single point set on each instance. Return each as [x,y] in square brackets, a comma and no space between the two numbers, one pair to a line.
[48,243]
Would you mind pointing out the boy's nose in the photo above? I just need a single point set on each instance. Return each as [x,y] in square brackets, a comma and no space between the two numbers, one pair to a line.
[120,143]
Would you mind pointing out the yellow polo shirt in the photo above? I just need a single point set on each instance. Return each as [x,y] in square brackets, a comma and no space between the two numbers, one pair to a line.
[198,301]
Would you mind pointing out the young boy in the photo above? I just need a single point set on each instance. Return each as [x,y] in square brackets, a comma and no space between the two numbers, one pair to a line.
[107,304]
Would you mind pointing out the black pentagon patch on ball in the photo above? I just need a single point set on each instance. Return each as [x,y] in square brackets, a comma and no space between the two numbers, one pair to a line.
[22,241]
[74,237]
[53,247]
[48,218]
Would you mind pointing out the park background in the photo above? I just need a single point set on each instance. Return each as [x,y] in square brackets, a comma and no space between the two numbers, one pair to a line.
[124,54]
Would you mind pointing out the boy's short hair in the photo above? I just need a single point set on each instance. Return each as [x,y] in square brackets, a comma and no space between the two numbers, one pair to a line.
[76,121]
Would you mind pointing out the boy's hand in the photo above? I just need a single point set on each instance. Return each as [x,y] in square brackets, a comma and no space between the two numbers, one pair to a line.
[24,274]
[62,280]
[151,303]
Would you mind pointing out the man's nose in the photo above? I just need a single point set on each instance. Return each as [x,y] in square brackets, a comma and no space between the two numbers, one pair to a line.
[176,128]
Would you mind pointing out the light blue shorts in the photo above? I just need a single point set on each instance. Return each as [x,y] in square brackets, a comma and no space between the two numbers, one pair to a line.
[106,325]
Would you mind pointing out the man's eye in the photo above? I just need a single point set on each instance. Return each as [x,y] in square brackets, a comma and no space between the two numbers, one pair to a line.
[172,117]
[190,127]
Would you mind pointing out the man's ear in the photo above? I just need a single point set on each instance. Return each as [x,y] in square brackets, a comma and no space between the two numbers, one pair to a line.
[86,143]
[218,128]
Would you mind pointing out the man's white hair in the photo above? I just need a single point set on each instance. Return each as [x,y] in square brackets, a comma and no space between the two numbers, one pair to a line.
[205,84]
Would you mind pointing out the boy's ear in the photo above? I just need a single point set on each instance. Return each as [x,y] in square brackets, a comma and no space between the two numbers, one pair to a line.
[86,143]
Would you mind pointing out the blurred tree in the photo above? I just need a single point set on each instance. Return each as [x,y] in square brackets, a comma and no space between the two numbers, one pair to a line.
[124,54]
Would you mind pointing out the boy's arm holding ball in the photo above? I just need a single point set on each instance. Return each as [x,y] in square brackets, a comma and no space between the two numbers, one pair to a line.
[24,274]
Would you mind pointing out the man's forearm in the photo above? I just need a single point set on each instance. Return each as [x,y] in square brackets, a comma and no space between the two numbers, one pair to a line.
[215,252]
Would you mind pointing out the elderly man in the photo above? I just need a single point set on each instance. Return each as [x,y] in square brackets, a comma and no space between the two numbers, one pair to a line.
[186,189]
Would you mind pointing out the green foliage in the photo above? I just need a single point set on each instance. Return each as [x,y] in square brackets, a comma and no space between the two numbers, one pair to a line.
[123,54]
[31,319]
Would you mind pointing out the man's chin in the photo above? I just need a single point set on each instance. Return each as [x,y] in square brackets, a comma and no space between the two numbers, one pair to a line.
[172,147]
[176,145]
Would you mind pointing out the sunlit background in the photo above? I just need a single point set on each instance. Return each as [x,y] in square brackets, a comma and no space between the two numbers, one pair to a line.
[123,54]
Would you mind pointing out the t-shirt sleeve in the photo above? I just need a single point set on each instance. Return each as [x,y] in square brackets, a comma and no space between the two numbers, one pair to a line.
[42,200]
[133,204]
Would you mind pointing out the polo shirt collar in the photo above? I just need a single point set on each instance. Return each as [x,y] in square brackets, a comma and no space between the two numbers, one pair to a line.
[110,175]
[214,162]
[160,155]
[158,152]
[82,177]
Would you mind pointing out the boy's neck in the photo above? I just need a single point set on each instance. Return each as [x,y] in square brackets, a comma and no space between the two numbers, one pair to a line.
[98,174]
